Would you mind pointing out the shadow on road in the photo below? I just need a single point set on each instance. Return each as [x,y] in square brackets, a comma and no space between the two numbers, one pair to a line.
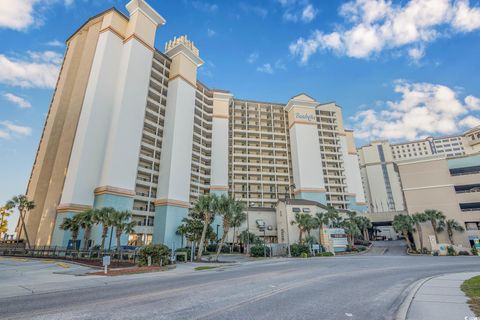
[388,248]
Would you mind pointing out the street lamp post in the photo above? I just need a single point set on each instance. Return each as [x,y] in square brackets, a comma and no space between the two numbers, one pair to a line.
[248,227]
[264,243]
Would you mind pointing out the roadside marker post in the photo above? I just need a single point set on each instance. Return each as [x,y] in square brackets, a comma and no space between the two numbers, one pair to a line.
[106,263]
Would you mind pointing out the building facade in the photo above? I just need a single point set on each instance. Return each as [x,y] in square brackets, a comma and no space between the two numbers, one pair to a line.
[132,128]
[451,185]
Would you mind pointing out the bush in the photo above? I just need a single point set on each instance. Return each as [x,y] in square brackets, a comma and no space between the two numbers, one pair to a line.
[297,249]
[213,248]
[187,250]
[474,251]
[361,248]
[258,251]
[304,255]
[160,253]
[451,251]
[435,253]
[362,242]
[325,254]
[463,253]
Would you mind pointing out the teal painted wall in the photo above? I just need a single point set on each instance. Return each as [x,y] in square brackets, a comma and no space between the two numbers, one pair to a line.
[167,220]
[354,207]
[61,237]
[218,219]
[117,202]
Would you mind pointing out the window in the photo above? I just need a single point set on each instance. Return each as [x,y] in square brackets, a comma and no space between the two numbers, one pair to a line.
[306,210]
[296,210]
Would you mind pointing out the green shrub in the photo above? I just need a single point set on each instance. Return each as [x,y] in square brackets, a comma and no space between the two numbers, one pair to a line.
[304,255]
[181,257]
[474,251]
[325,254]
[213,248]
[435,253]
[451,251]
[463,253]
[158,252]
[297,249]
[258,251]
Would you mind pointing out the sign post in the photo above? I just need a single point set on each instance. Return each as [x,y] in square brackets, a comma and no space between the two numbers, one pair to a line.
[106,263]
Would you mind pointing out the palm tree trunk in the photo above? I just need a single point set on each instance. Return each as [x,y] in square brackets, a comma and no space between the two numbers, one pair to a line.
[450,236]
[222,241]
[320,227]
[24,229]
[420,236]
[405,234]
[300,236]
[118,234]
[86,237]
[434,226]
[202,239]
[74,240]
[104,236]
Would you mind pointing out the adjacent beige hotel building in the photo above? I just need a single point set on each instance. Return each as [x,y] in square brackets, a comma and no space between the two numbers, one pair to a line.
[131,127]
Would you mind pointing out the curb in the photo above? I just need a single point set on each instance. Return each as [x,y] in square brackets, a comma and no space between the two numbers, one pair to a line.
[412,290]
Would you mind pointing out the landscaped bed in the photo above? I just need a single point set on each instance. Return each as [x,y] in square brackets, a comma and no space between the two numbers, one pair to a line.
[471,287]
[133,270]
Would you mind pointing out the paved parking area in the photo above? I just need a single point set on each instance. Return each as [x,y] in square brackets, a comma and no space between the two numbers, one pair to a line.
[25,276]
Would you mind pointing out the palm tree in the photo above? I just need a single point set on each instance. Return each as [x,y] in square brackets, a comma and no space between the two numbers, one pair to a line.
[363,224]
[435,217]
[239,217]
[73,225]
[450,225]
[323,218]
[419,218]
[334,217]
[403,224]
[86,220]
[305,223]
[351,229]
[4,213]
[23,205]
[103,217]
[232,212]
[121,221]
[205,207]
[182,231]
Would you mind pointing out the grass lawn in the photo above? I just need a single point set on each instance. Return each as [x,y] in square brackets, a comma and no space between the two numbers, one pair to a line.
[200,268]
[471,287]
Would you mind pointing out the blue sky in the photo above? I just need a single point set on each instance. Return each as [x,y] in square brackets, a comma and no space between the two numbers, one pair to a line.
[399,69]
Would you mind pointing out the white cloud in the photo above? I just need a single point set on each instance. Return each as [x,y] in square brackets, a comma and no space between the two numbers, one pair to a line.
[55,43]
[19,101]
[372,26]
[39,70]
[252,57]
[211,32]
[9,130]
[423,109]
[266,68]
[21,14]
[205,6]
[16,15]
[298,10]
[416,53]
[473,103]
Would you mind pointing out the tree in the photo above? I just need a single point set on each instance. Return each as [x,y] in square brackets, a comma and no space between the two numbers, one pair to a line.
[418,219]
[403,224]
[363,223]
[238,219]
[305,224]
[205,207]
[435,217]
[231,210]
[103,217]
[334,217]
[121,221]
[247,237]
[181,231]
[351,229]
[323,218]
[23,205]
[4,213]
[73,225]
[86,220]
[450,226]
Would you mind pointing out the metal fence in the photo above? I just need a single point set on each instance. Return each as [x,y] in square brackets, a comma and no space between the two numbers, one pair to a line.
[91,257]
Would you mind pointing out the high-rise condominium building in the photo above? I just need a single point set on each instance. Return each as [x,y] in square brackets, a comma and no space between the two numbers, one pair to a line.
[132,128]
[379,160]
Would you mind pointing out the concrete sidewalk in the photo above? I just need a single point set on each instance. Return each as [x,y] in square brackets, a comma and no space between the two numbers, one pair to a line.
[440,298]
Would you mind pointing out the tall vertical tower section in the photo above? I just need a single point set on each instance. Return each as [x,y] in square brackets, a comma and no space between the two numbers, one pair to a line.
[102,166]
[305,148]
[173,192]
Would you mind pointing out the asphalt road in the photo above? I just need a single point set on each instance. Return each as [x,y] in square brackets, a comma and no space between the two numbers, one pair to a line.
[355,287]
